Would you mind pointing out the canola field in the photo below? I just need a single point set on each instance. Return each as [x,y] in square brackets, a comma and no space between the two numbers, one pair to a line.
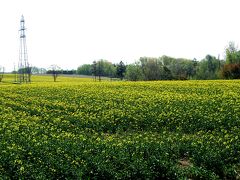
[80,129]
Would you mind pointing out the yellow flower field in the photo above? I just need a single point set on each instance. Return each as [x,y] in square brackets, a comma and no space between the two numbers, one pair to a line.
[76,128]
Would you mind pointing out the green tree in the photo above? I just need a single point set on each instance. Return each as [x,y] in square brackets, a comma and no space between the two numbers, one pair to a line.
[108,69]
[180,68]
[103,68]
[232,54]
[85,69]
[134,72]
[111,70]
[167,74]
[121,69]
[209,68]
[151,67]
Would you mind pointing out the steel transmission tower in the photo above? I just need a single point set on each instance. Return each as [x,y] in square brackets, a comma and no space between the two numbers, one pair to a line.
[24,70]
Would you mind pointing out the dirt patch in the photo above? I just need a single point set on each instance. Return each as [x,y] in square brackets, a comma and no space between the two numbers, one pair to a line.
[184,163]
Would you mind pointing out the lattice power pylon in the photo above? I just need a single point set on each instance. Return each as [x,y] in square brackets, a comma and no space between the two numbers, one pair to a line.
[24,70]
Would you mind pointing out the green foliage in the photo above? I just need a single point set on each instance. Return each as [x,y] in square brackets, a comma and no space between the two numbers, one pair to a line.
[121,69]
[107,68]
[134,72]
[209,68]
[151,68]
[232,54]
[165,67]
[180,68]
[98,68]
[79,129]
[168,68]
[85,69]
[103,68]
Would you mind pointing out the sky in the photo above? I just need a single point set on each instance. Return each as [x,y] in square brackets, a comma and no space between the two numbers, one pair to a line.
[70,33]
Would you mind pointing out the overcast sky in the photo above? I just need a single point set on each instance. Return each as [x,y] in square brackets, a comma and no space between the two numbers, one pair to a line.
[73,32]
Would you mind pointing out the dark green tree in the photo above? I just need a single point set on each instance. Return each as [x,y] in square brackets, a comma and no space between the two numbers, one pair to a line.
[121,69]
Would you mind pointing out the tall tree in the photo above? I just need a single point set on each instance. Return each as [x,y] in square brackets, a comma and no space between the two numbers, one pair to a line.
[121,69]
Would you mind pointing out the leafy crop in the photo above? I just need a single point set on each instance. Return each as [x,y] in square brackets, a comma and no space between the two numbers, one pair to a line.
[79,129]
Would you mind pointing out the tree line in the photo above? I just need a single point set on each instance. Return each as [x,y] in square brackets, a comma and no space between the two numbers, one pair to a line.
[157,68]
[169,68]
[103,68]
[162,68]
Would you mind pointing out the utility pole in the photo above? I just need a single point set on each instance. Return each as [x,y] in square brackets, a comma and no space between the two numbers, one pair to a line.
[24,71]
